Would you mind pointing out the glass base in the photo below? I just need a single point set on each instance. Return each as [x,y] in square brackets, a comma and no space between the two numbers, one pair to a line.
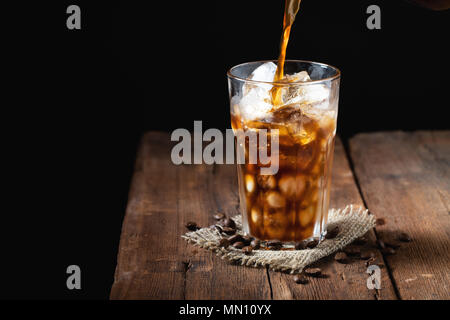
[291,244]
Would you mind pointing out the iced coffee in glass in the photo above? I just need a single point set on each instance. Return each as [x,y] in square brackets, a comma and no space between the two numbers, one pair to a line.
[290,205]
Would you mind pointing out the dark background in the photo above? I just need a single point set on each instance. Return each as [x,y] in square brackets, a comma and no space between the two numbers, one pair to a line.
[80,99]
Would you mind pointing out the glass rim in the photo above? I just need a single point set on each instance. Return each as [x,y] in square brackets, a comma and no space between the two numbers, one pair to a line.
[336,76]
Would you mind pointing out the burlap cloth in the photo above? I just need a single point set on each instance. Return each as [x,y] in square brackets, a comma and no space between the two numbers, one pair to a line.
[353,222]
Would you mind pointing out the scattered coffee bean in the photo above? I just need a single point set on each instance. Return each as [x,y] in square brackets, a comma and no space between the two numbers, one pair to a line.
[381,244]
[191,226]
[313,272]
[235,238]
[341,257]
[247,239]
[224,243]
[367,254]
[331,234]
[352,251]
[312,244]
[255,244]
[360,241]
[247,249]
[219,216]
[274,244]
[393,245]
[380,222]
[238,245]
[388,251]
[300,245]
[228,230]
[229,223]
[369,261]
[300,279]
[404,237]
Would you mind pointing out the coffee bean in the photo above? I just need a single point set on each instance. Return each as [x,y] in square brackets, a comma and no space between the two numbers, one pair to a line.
[247,249]
[313,272]
[228,230]
[219,216]
[238,245]
[381,244]
[312,244]
[352,251]
[247,239]
[369,261]
[229,223]
[388,251]
[300,279]
[367,254]
[331,234]
[224,243]
[274,244]
[192,226]
[360,241]
[300,245]
[404,237]
[255,244]
[341,257]
[380,222]
[235,238]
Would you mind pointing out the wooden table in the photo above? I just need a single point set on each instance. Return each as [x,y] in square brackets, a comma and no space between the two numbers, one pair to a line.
[401,177]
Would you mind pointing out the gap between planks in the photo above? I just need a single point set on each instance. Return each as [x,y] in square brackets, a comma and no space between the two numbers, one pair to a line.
[356,180]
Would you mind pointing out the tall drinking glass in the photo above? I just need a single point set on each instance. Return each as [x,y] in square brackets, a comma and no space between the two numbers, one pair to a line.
[292,204]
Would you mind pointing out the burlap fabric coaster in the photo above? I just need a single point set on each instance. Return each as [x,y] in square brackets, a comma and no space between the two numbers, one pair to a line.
[353,222]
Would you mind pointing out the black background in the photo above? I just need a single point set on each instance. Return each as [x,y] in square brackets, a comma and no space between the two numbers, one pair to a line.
[78,101]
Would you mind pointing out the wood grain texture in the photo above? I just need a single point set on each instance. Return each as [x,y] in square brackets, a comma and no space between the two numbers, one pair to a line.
[405,178]
[342,281]
[154,262]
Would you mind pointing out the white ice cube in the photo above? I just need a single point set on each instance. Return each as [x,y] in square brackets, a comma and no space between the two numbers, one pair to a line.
[255,104]
[301,76]
[314,94]
[265,72]
[256,100]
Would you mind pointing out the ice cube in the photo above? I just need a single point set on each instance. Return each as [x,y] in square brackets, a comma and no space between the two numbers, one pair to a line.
[265,72]
[276,223]
[275,200]
[267,181]
[256,214]
[256,101]
[255,104]
[313,94]
[292,186]
[301,76]
[306,216]
[249,183]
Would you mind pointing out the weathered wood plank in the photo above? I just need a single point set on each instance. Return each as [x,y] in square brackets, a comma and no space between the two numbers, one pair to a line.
[343,281]
[153,261]
[213,189]
[405,178]
[147,264]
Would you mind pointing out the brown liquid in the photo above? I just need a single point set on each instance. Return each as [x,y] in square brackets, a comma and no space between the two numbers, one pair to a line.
[292,204]
[288,206]
[291,8]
